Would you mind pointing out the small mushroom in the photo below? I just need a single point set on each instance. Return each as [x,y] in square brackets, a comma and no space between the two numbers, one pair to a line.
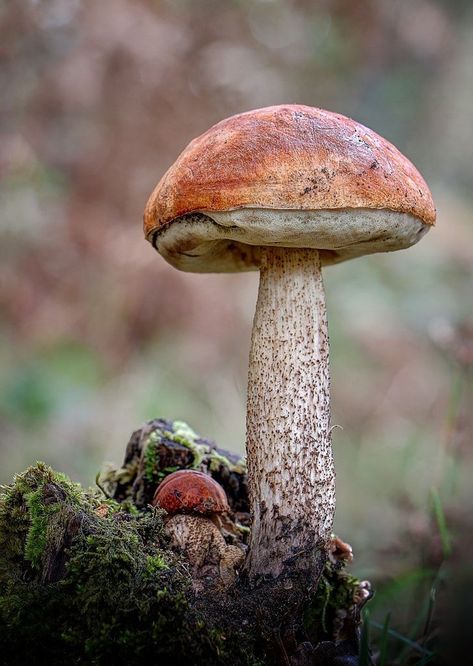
[194,502]
[339,552]
[363,593]
[286,190]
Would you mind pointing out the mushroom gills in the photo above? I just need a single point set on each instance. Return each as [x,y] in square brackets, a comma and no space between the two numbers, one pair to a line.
[231,241]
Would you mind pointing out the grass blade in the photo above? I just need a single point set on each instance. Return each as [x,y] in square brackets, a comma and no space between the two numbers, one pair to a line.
[365,640]
[403,639]
[383,650]
[439,516]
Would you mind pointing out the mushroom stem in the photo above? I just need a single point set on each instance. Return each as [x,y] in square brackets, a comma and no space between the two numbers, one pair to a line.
[290,461]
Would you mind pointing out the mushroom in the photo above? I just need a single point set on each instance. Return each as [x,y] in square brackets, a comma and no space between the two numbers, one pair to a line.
[286,190]
[194,501]
[339,552]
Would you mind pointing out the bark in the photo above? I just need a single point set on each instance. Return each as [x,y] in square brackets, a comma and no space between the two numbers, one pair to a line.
[290,464]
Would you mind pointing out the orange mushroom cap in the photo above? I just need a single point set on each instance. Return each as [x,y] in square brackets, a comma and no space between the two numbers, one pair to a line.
[288,175]
[190,491]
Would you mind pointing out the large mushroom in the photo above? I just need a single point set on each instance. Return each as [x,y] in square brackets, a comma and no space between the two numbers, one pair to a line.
[286,190]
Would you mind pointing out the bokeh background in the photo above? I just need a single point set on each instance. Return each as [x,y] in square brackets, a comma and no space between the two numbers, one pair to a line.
[98,333]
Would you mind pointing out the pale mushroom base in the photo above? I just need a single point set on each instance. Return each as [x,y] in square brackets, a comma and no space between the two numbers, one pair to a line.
[230,241]
[202,543]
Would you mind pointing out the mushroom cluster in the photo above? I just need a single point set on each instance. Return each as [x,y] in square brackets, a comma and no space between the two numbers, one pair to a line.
[286,190]
[194,503]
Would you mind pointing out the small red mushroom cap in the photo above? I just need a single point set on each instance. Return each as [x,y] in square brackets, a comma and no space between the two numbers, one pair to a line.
[190,491]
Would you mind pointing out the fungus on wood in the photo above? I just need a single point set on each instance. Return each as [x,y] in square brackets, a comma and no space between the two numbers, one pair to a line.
[286,190]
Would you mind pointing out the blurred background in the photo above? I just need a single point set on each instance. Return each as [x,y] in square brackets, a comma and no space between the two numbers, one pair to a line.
[98,333]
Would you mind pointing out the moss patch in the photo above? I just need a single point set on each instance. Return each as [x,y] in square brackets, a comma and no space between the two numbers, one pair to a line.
[84,581]
[90,580]
[177,432]
[334,596]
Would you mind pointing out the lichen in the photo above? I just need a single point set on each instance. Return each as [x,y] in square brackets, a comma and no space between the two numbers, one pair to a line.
[217,459]
[181,433]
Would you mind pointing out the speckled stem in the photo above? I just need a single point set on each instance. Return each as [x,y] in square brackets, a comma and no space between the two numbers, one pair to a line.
[290,461]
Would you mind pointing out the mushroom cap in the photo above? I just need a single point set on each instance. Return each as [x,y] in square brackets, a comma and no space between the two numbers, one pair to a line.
[289,175]
[190,491]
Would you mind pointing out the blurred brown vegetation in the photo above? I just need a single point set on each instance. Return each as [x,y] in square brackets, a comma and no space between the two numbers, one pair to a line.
[98,333]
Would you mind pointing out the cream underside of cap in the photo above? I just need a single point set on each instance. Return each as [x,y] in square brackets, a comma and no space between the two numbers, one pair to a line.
[229,241]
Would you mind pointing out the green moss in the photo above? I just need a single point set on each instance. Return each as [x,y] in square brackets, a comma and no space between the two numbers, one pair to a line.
[83,581]
[31,519]
[335,592]
[182,434]
[151,457]
[143,470]
[38,533]
[156,562]
[216,460]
